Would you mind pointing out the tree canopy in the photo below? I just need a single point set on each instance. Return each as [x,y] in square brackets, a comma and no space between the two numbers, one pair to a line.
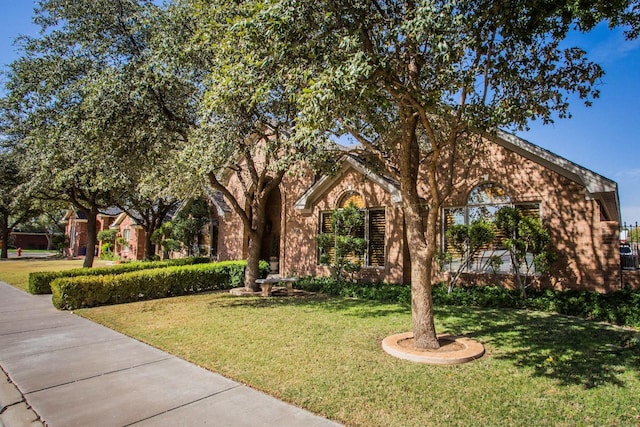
[418,83]
[87,113]
[251,88]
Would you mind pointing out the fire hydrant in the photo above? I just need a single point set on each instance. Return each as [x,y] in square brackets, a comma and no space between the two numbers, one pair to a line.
[19,250]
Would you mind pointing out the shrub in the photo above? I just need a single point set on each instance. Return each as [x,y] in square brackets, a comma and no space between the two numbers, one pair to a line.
[89,291]
[621,307]
[378,291]
[40,281]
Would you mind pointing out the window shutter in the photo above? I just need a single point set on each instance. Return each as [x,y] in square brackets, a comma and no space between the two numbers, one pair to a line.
[377,226]
[530,210]
[325,228]
[452,216]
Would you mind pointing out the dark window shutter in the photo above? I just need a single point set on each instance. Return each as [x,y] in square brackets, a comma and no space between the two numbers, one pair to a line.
[530,210]
[325,228]
[377,227]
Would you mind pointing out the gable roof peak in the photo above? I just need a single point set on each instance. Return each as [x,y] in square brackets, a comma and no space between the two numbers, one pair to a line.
[305,203]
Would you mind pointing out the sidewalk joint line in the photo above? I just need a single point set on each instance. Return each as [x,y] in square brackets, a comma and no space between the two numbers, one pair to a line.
[102,374]
[185,404]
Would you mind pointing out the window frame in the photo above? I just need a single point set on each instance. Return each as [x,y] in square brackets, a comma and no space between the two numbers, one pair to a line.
[467,217]
[367,236]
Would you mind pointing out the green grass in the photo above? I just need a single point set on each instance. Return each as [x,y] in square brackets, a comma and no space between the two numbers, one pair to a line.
[34,251]
[324,354]
[16,271]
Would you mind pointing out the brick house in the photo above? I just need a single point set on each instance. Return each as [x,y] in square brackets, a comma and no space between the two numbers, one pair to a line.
[133,233]
[133,236]
[76,229]
[579,207]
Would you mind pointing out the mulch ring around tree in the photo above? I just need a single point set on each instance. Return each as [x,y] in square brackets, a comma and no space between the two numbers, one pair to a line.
[453,349]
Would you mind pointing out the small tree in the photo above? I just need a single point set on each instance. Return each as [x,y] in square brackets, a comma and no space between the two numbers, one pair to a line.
[528,243]
[188,223]
[468,241]
[163,236]
[341,249]
[108,238]
[60,242]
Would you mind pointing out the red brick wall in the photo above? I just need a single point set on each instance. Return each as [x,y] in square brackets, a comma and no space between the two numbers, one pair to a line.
[587,248]
[29,240]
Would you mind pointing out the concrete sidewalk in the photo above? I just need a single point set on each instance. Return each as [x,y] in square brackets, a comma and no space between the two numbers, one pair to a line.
[66,371]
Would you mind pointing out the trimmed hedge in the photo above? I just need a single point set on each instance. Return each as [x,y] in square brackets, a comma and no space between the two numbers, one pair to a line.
[90,291]
[621,307]
[40,281]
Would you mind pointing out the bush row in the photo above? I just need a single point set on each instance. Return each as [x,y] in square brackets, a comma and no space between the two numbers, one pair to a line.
[90,291]
[40,281]
[620,307]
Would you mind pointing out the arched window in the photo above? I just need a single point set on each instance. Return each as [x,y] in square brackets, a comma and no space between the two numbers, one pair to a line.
[485,200]
[373,230]
[351,198]
[488,193]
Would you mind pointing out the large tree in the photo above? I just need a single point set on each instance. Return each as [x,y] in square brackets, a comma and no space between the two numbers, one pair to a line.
[247,113]
[86,106]
[15,208]
[156,193]
[417,83]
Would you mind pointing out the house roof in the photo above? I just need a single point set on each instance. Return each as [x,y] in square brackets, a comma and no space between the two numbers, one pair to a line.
[306,201]
[120,218]
[71,211]
[599,188]
[217,200]
[110,211]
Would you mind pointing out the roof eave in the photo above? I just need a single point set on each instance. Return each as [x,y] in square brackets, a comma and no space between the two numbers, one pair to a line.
[304,204]
[597,186]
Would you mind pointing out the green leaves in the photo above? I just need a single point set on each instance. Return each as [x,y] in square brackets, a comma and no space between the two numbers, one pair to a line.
[343,248]
[528,243]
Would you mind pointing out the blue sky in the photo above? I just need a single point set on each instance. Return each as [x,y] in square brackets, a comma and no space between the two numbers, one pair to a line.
[603,138]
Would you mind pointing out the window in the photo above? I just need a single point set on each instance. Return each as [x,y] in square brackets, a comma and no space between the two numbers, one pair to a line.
[482,204]
[373,230]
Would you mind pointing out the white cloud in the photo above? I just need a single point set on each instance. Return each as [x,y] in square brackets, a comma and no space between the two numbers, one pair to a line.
[614,46]
[628,174]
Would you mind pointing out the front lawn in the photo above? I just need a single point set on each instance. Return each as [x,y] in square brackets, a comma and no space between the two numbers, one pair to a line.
[324,354]
[16,271]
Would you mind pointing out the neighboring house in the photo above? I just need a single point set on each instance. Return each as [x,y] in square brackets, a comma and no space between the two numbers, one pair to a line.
[28,240]
[579,207]
[76,229]
[130,244]
[132,235]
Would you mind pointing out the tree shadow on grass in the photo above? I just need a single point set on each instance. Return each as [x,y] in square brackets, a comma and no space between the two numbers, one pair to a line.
[570,350]
[352,307]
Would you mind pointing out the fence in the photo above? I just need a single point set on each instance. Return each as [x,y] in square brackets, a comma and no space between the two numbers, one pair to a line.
[629,243]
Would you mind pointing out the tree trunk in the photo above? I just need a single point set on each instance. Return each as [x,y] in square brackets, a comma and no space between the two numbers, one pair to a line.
[254,248]
[253,261]
[5,238]
[424,331]
[49,237]
[92,233]
[421,249]
[149,247]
